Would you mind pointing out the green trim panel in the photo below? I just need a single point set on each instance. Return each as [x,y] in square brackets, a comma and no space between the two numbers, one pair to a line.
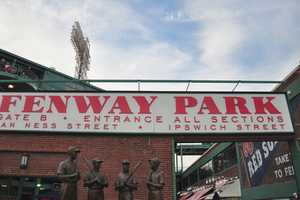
[45,74]
[203,160]
[173,170]
[278,190]
[294,88]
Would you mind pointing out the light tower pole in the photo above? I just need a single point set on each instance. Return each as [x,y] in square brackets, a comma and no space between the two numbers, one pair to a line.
[82,49]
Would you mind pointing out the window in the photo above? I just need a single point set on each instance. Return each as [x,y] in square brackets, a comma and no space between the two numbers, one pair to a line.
[193,178]
[32,188]
[206,171]
[185,183]
[225,159]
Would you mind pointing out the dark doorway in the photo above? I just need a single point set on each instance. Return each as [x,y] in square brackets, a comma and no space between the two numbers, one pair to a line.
[29,188]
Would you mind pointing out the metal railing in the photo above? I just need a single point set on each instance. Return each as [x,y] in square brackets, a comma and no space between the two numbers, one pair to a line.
[139,82]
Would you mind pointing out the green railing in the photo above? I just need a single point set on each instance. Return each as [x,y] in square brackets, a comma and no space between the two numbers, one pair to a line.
[139,82]
[20,70]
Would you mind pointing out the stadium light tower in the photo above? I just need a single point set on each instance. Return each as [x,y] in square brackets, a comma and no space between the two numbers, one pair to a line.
[82,48]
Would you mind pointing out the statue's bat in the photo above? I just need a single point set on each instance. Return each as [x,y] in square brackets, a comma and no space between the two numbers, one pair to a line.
[90,168]
[133,171]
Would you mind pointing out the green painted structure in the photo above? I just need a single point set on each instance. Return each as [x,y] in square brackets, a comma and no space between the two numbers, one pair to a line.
[30,76]
[280,190]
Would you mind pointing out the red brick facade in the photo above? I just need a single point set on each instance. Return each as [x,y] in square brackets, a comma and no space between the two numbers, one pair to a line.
[46,151]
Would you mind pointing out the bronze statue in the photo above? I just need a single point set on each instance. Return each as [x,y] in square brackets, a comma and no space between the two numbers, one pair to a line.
[69,175]
[95,180]
[155,181]
[126,182]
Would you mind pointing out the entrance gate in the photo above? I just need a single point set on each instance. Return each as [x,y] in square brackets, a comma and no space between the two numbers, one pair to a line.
[147,123]
[140,123]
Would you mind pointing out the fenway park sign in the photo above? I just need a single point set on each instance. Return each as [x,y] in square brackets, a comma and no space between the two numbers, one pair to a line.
[147,112]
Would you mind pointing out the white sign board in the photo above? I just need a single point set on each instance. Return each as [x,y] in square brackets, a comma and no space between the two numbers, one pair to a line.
[135,112]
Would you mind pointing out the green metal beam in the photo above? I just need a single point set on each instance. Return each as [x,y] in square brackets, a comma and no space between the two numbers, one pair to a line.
[143,81]
[271,191]
[205,158]
[239,163]
[173,170]
[196,149]
[294,89]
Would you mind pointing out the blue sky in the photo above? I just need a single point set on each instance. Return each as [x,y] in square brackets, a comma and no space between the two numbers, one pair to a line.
[159,39]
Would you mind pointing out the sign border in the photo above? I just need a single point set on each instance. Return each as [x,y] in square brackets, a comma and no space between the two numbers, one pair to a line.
[284,135]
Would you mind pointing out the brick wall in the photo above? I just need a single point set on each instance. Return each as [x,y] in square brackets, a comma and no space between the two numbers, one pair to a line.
[46,151]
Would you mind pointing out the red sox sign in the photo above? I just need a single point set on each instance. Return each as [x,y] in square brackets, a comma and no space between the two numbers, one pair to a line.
[132,112]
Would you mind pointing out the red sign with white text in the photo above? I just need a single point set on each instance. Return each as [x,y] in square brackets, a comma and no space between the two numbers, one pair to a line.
[130,112]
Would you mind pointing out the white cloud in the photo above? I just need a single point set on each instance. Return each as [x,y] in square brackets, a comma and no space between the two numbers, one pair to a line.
[40,31]
[219,39]
[32,31]
[218,44]
[158,60]
[228,28]
[176,16]
[155,61]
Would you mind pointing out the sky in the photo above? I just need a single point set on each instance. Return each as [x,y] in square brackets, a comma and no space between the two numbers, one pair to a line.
[159,39]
